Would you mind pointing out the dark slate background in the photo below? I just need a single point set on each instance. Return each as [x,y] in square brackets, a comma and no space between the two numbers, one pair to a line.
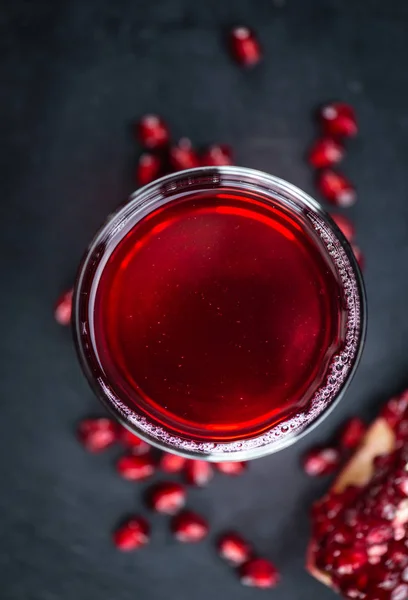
[74,74]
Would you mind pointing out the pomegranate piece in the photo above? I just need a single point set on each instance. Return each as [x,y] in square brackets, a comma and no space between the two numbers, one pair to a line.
[345,225]
[259,572]
[183,156]
[63,308]
[231,467]
[325,152]
[135,468]
[189,527]
[168,498]
[132,534]
[217,155]
[97,434]
[198,472]
[245,47]
[148,168]
[352,433]
[321,461]
[336,188]
[172,463]
[338,119]
[359,255]
[395,409]
[234,549]
[134,443]
[152,132]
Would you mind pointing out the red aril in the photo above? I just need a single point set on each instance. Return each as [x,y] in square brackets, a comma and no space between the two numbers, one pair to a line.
[352,433]
[217,155]
[153,132]
[325,152]
[189,527]
[134,443]
[136,468]
[132,534]
[336,188]
[338,119]
[97,434]
[171,463]
[395,409]
[198,472]
[345,225]
[245,47]
[349,561]
[259,572]
[183,156]
[148,168]
[168,498]
[233,548]
[321,461]
[63,308]
[400,592]
[231,467]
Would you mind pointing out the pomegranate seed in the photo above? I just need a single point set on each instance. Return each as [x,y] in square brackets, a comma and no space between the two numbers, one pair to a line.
[352,433]
[133,534]
[148,168]
[198,472]
[395,409]
[338,119]
[217,156]
[63,308]
[129,439]
[259,572]
[168,498]
[171,463]
[325,152]
[233,548]
[135,468]
[359,255]
[245,46]
[97,434]
[349,561]
[231,467]
[321,461]
[189,527]
[379,534]
[183,156]
[345,225]
[153,132]
[336,188]
[400,592]
[402,484]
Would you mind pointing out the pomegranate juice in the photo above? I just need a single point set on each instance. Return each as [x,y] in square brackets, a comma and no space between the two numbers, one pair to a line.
[217,315]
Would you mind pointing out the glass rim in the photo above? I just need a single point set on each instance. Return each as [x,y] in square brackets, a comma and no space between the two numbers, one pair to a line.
[148,198]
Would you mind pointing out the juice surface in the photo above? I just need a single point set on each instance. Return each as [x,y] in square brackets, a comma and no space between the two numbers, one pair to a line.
[217,315]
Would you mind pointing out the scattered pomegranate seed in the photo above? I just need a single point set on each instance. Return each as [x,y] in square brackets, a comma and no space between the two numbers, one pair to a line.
[352,433]
[168,498]
[97,434]
[153,132]
[63,308]
[135,468]
[345,225]
[234,549]
[325,152]
[321,461]
[133,534]
[198,472]
[183,156]
[134,443]
[259,572]
[245,46]
[189,527]
[217,156]
[359,255]
[338,119]
[231,467]
[172,463]
[336,188]
[148,168]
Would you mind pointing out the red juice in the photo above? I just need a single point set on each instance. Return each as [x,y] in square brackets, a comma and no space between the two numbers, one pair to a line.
[219,318]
